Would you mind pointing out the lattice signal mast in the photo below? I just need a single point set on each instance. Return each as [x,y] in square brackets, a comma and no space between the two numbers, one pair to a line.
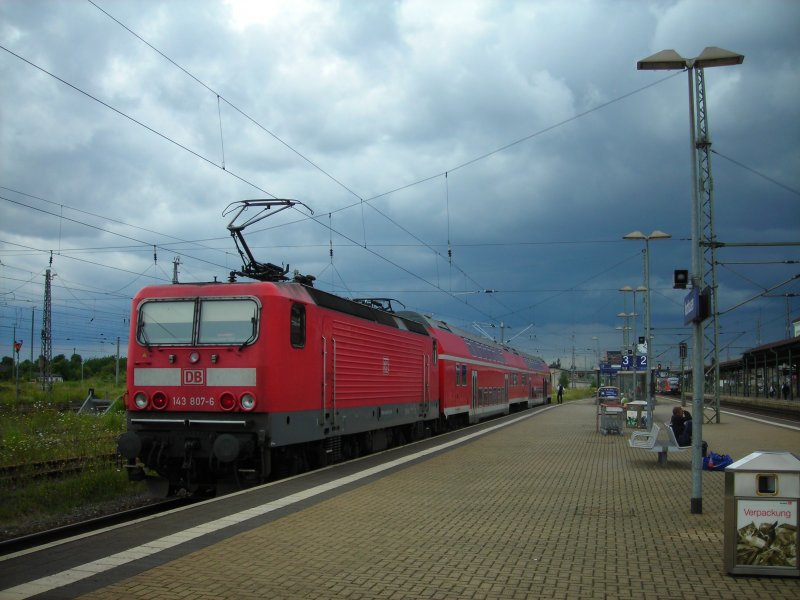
[46,360]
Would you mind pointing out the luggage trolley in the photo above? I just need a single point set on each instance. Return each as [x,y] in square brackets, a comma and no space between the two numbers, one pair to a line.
[611,418]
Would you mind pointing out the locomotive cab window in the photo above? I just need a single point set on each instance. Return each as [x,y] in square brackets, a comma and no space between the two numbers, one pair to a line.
[165,322]
[218,321]
[298,325]
[224,321]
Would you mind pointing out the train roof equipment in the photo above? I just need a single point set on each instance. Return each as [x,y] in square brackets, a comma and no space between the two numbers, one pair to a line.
[250,266]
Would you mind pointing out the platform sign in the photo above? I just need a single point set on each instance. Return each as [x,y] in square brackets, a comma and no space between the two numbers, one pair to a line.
[628,361]
[691,307]
[766,532]
[696,306]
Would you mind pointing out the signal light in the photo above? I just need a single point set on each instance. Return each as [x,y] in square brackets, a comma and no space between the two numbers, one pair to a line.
[159,400]
[680,279]
[227,401]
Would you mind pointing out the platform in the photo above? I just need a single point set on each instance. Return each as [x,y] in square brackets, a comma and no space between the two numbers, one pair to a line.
[545,507]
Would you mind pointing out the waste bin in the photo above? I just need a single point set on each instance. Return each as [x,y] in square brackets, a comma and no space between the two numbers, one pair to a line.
[762,491]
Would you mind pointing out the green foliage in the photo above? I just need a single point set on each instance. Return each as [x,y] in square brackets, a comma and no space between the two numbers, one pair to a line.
[563,379]
[46,499]
[47,435]
[62,393]
[36,428]
[73,368]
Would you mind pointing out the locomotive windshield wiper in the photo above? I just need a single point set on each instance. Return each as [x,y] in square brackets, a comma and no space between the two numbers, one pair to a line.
[141,334]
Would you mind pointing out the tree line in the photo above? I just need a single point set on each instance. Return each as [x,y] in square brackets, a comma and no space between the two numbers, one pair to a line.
[73,368]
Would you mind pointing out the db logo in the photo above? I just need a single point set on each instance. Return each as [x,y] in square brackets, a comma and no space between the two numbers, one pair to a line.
[193,377]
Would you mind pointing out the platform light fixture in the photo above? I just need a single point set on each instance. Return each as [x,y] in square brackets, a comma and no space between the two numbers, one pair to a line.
[669,60]
[657,234]
[634,314]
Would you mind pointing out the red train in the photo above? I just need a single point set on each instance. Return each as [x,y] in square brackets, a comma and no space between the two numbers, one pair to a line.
[237,382]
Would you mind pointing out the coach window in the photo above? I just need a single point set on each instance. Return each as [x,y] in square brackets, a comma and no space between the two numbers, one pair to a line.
[298,325]
[463,374]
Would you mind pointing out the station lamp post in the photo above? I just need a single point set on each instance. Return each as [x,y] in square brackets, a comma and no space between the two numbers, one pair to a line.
[655,235]
[669,60]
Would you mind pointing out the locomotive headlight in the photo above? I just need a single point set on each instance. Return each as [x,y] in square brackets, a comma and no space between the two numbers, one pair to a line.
[194,357]
[140,400]
[248,401]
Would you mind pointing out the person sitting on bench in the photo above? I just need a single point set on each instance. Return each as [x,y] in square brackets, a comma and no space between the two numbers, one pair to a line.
[681,424]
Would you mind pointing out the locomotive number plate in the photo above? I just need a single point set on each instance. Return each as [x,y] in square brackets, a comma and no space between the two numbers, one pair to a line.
[192,401]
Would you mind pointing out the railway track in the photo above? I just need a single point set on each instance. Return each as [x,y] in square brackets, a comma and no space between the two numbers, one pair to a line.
[52,469]
[788,410]
[777,412]
[31,540]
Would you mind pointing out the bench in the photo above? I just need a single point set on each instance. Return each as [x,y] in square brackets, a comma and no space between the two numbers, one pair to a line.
[644,439]
[648,440]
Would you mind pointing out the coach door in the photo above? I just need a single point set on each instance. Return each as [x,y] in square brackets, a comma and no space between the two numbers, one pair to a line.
[475,398]
[426,386]
[328,416]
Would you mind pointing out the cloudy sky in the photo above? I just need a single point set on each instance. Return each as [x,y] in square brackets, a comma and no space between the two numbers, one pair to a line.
[518,135]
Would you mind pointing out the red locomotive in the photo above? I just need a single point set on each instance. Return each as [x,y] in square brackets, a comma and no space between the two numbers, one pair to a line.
[237,382]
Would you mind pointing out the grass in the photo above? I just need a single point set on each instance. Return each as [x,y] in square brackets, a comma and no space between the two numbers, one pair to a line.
[31,394]
[43,504]
[577,393]
[33,430]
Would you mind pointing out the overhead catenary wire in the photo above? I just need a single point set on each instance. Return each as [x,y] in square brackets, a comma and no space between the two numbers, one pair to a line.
[209,161]
[137,122]
[361,201]
[316,166]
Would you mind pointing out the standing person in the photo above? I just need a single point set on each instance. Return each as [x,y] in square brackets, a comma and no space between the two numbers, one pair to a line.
[560,394]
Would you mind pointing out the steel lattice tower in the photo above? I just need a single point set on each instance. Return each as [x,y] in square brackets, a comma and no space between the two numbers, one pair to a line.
[46,366]
[708,243]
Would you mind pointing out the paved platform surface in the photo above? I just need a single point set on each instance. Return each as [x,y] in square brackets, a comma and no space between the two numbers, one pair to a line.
[544,508]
